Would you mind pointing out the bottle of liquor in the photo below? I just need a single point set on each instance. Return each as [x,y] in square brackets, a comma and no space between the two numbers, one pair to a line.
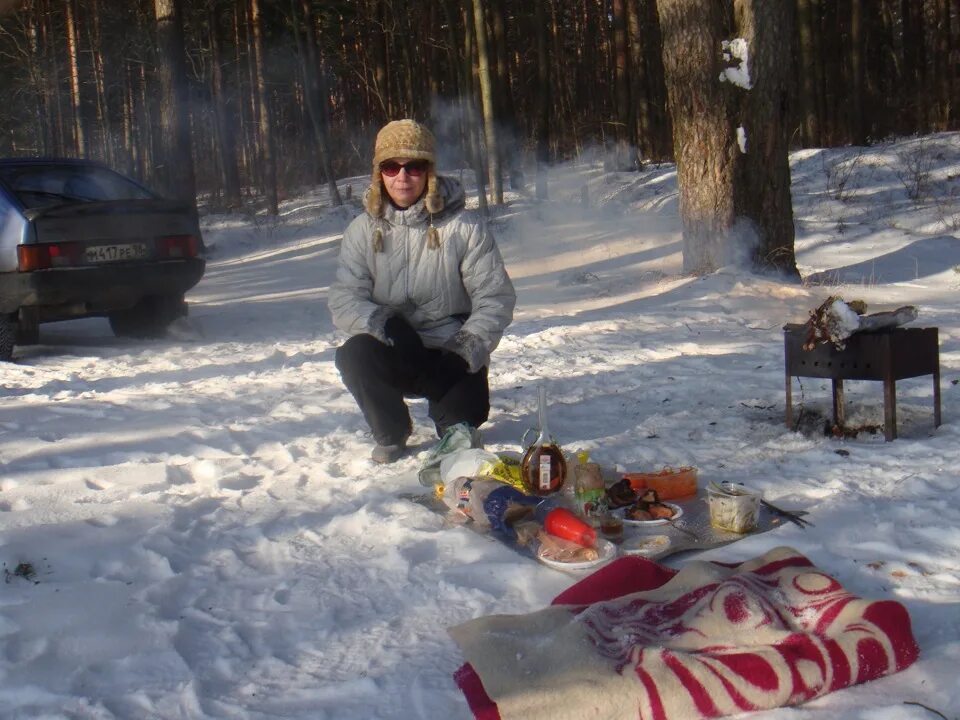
[543,468]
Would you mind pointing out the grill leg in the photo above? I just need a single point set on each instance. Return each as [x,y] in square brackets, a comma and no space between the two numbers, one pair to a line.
[889,409]
[839,416]
[936,396]
[789,410]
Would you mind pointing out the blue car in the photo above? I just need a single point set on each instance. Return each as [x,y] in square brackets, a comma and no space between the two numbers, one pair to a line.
[80,240]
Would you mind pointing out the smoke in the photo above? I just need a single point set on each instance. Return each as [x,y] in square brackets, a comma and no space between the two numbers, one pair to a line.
[740,244]
[447,118]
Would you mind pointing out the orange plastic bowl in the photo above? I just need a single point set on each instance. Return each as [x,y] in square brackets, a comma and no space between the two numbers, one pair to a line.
[670,483]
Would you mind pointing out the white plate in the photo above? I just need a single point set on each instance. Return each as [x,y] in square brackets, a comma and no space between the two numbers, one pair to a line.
[606,549]
[646,545]
[677,512]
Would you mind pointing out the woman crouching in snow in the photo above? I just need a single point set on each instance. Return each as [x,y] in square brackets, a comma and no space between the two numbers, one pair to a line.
[422,291]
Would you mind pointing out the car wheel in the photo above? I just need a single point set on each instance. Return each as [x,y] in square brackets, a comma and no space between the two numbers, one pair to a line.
[8,336]
[149,318]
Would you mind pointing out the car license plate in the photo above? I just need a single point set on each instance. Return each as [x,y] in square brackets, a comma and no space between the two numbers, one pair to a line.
[114,253]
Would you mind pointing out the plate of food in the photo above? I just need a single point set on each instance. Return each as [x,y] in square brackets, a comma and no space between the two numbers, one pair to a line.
[646,545]
[567,556]
[645,513]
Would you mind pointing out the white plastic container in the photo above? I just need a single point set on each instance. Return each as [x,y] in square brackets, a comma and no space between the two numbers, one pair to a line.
[733,507]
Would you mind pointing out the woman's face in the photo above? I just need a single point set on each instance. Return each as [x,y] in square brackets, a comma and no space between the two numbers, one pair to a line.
[409,178]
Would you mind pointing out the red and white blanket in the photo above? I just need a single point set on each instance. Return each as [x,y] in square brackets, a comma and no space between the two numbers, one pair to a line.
[638,639]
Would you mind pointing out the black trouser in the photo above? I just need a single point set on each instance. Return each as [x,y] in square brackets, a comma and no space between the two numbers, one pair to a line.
[378,376]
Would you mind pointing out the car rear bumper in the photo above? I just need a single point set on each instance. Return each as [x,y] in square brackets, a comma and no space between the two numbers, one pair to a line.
[95,290]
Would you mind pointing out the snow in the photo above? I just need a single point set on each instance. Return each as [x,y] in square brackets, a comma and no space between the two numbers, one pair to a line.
[210,540]
[737,53]
[742,139]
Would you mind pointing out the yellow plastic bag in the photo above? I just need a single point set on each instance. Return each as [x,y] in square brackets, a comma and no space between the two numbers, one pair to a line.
[505,470]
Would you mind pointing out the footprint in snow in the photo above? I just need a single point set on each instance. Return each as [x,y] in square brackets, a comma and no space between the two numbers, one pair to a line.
[103,521]
[23,650]
[240,482]
[18,505]
[186,517]
[179,475]
[420,552]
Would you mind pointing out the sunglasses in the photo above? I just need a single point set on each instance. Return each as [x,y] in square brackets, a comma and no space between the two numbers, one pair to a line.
[414,168]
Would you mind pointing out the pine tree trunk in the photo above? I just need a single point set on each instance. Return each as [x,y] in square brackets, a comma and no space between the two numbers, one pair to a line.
[734,203]
[37,80]
[130,148]
[858,130]
[809,58]
[763,188]
[639,82]
[661,129]
[543,101]
[173,169]
[703,128]
[147,140]
[58,134]
[100,83]
[225,119]
[316,99]
[953,64]
[473,116]
[626,156]
[486,96]
[381,78]
[73,58]
[939,85]
[834,94]
[252,161]
[913,60]
[267,145]
[505,107]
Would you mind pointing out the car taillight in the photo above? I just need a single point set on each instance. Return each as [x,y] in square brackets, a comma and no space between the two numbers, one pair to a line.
[43,256]
[178,246]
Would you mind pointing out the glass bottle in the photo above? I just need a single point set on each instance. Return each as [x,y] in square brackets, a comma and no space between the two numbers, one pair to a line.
[543,468]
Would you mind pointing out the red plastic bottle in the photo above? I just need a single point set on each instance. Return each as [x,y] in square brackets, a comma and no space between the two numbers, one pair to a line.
[565,524]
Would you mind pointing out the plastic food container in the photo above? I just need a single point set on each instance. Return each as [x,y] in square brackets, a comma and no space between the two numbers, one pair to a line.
[670,483]
[735,508]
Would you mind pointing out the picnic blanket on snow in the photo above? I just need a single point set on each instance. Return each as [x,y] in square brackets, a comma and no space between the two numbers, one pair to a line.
[638,639]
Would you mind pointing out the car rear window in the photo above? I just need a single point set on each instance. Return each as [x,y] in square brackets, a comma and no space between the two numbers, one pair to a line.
[42,185]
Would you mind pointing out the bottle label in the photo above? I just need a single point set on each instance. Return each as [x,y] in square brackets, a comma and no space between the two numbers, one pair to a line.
[544,472]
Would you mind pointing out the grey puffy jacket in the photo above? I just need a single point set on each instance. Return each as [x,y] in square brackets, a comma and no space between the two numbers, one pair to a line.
[457,295]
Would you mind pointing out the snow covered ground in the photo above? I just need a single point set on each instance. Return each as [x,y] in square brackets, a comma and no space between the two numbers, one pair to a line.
[210,540]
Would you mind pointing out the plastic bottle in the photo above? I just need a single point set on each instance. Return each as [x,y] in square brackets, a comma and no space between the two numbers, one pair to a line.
[588,487]
[565,524]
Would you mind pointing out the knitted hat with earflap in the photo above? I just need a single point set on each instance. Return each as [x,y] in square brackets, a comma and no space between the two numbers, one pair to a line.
[404,139]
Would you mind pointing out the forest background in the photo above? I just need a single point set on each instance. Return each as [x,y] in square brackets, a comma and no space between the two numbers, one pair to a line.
[232,100]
